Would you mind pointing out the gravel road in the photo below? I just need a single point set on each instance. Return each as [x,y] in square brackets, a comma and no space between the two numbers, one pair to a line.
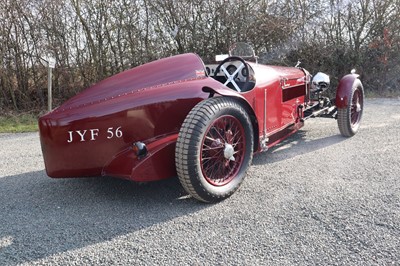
[317,198]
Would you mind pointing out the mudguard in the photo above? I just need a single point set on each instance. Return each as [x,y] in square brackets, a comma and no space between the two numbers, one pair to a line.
[344,90]
[230,93]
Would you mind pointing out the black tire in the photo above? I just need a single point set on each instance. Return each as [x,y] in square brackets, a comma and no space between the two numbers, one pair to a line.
[349,118]
[214,129]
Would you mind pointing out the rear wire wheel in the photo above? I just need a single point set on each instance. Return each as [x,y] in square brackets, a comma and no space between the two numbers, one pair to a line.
[214,149]
[349,118]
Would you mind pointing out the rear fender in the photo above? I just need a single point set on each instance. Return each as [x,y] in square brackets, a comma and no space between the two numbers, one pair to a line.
[344,90]
[222,92]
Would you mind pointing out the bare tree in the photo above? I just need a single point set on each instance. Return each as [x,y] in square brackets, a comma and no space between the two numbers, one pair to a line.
[93,39]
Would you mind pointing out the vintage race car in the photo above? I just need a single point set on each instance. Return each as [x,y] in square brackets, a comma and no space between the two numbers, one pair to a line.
[178,116]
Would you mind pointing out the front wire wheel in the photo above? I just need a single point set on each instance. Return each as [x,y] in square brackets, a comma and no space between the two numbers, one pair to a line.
[349,118]
[214,149]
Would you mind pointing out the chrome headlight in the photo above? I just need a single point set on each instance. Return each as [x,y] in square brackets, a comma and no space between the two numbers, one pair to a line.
[320,82]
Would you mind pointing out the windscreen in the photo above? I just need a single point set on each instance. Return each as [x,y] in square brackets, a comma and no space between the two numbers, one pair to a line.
[241,49]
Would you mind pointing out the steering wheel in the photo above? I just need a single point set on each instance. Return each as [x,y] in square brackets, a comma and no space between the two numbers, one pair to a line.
[231,78]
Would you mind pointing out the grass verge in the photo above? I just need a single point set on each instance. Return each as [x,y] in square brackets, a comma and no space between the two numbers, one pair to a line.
[13,123]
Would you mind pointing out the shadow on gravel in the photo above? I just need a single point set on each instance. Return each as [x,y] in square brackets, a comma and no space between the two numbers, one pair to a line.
[295,145]
[42,216]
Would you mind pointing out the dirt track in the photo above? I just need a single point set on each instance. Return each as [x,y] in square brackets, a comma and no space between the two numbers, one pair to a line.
[317,198]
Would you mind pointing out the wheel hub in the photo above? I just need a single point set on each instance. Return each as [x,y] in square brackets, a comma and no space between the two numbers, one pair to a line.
[358,107]
[229,152]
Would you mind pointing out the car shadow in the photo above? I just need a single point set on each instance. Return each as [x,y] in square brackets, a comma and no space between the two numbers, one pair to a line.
[295,145]
[41,216]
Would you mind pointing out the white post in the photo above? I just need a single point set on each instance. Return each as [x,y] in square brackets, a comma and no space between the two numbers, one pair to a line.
[49,96]
[51,64]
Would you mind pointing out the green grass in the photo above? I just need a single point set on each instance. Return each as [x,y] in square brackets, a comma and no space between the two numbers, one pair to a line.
[12,123]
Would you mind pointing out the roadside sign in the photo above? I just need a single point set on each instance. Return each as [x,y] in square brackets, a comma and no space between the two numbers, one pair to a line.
[51,62]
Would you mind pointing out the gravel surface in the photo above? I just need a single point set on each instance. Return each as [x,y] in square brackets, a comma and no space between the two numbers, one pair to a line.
[317,198]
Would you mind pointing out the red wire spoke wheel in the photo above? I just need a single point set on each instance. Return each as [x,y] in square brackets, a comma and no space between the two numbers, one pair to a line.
[223,150]
[349,118]
[356,107]
[214,149]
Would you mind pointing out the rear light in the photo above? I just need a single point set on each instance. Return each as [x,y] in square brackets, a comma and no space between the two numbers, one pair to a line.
[139,148]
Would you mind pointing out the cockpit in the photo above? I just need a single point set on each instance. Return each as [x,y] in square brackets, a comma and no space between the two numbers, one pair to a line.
[233,71]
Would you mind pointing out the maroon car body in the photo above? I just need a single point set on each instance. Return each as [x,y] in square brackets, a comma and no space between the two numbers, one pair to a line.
[127,126]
